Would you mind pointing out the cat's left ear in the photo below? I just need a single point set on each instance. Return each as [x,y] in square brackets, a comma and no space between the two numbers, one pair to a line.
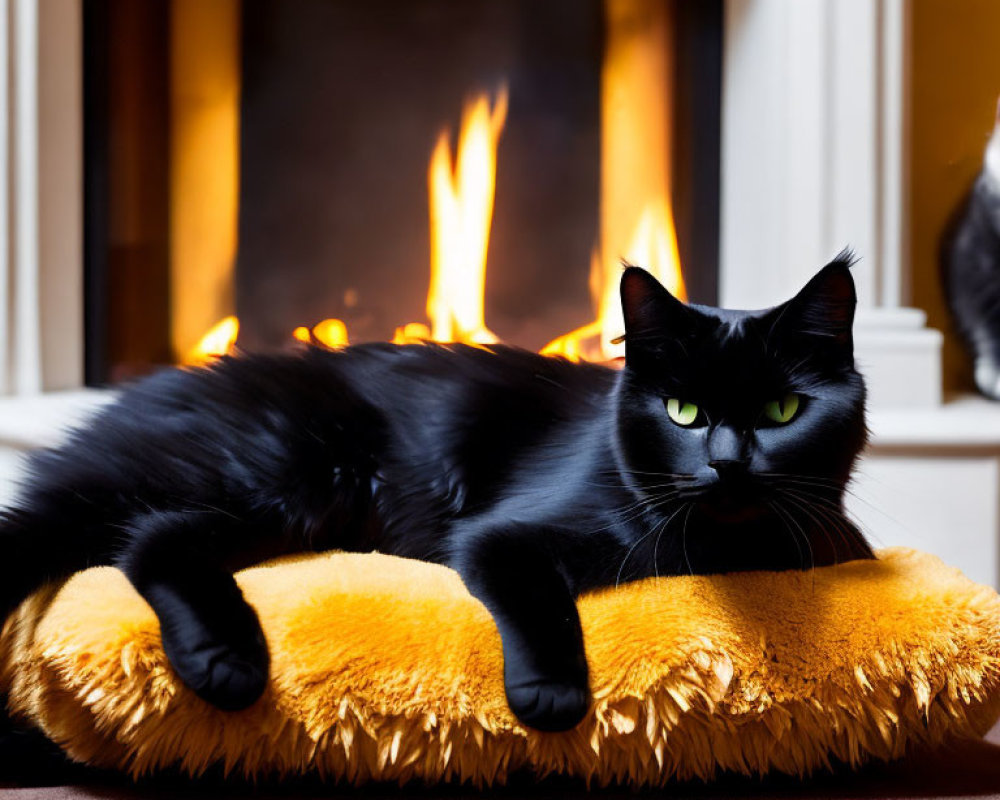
[651,313]
[824,308]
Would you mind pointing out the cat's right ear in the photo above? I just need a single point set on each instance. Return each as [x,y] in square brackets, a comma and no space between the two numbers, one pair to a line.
[824,308]
[651,313]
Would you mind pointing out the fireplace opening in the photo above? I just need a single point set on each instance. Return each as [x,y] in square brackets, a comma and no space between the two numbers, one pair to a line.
[270,160]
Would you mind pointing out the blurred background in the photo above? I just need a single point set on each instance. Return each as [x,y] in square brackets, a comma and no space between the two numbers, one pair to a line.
[187,176]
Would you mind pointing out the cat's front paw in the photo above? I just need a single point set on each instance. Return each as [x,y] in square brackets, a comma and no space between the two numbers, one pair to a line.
[219,674]
[548,705]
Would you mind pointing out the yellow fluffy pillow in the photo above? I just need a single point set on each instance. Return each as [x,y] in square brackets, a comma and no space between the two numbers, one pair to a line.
[387,669]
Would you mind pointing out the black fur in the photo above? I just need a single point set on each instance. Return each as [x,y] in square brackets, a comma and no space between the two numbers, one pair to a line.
[535,478]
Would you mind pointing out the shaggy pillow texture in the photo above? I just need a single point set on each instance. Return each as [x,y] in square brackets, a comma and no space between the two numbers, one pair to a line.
[387,669]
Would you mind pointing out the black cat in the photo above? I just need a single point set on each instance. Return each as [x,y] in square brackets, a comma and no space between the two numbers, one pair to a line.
[724,443]
[970,260]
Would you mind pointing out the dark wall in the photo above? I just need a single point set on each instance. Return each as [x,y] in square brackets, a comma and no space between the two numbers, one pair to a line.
[342,104]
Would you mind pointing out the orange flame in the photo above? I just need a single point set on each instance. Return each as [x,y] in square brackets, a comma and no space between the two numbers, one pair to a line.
[331,332]
[654,247]
[412,333]
[461,210]
[220,340]
[461,206]
[635,214]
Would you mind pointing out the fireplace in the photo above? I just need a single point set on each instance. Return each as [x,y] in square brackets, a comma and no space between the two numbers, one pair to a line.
[818,103]
[269,160]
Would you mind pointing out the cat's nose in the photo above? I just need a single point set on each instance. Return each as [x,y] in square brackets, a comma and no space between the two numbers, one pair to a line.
[725,444]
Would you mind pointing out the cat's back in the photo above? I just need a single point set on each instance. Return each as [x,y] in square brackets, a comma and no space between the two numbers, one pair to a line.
[505,370]
[468,396]
[235,425]
[313,383]
[466,426]
[414,435]
[419,391]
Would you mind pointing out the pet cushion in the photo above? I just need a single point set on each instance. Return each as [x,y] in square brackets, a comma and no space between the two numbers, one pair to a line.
[387,669]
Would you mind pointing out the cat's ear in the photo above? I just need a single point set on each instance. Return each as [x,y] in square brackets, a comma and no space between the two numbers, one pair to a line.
[824,308]
[651,313]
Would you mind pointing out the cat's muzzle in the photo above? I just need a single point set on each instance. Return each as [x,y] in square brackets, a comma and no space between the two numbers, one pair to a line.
[731,495]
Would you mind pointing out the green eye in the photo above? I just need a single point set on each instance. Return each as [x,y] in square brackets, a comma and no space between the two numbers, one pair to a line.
[782,411]
[680,412]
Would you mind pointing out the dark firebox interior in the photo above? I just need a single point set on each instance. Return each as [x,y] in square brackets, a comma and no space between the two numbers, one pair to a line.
[341,104]
[341,107]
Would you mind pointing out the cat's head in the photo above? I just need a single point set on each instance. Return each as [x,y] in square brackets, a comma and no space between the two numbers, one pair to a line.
[991,160]
[745,425]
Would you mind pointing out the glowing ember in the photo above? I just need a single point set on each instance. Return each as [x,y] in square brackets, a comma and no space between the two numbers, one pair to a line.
[220,340]
[412,333]
[331,332]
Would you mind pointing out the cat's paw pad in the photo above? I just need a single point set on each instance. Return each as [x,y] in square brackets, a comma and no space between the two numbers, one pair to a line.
[235,683]
[549,705]
[217,674]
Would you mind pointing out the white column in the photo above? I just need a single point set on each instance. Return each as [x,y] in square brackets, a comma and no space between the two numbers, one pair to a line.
[60,192]
[812,161]
[5,272]
[41,167]
[894,286]
[27,367]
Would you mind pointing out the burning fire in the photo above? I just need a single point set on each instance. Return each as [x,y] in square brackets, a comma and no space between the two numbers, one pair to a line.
[461,209]
[220,339]
[331,332]
[654,246]
[461,203]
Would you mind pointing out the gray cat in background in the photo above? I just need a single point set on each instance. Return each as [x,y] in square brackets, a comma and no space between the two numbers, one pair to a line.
[971,270]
